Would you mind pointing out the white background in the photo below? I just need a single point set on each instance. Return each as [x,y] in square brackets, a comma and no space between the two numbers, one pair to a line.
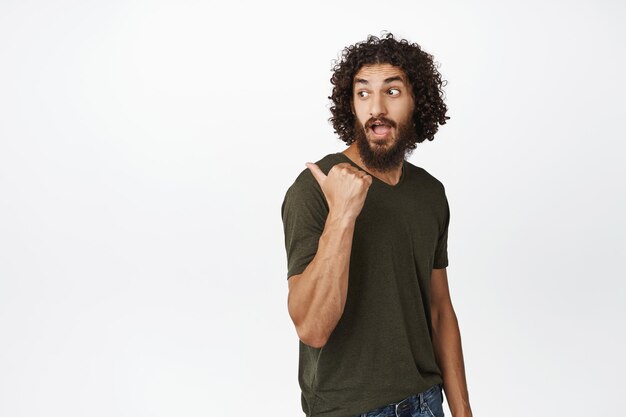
[145,148]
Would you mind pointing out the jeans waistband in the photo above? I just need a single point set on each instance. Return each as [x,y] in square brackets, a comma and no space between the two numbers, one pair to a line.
[402,408]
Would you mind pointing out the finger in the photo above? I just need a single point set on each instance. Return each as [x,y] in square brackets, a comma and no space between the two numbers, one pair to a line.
[317,172]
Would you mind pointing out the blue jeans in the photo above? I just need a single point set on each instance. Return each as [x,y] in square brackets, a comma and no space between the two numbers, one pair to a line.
[428,403]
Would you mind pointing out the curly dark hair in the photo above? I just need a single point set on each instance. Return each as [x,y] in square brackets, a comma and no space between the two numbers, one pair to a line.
[420,69]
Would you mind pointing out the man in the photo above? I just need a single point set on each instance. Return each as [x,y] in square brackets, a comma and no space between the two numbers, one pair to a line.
[366,238]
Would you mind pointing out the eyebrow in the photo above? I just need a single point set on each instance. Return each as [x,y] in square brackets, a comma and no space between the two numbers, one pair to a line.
[386,81]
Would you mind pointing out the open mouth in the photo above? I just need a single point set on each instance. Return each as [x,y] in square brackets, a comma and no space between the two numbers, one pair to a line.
[380,129]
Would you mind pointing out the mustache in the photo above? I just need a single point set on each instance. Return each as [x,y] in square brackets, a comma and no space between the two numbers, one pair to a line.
[381,119]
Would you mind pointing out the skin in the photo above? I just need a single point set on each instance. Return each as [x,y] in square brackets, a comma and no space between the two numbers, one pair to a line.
[447,345]
[317,297]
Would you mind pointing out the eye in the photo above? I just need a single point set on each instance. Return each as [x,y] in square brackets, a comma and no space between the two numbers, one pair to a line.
[394,92]
[362,94]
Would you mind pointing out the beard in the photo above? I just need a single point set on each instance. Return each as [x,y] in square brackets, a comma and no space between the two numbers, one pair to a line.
[383,155]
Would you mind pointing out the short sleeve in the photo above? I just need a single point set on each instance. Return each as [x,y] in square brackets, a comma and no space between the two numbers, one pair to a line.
[304,212]
[441,251]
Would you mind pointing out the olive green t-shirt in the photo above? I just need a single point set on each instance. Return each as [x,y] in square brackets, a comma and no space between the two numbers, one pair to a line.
[381,349]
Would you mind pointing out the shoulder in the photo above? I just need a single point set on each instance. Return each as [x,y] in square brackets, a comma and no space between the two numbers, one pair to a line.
[425,178]
[306,182]
[325,164]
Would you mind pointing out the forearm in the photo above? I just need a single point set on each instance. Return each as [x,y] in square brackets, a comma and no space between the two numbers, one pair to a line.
[318,297]
[449,356]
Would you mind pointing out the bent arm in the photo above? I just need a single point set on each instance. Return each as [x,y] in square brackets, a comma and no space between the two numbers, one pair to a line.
[317,296]
[447,345]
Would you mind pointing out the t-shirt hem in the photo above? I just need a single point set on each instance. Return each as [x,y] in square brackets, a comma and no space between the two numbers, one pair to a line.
[371,405]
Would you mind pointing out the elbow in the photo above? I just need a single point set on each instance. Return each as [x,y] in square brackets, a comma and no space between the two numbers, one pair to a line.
[311,338]
[311,333]
[313,329]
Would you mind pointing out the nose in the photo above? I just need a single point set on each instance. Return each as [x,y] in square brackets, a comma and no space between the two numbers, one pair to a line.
[377,106]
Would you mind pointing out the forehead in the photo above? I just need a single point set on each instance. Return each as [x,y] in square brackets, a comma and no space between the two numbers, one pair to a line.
[379,72]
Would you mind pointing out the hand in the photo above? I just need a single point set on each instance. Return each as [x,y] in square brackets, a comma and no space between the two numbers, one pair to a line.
[345,188]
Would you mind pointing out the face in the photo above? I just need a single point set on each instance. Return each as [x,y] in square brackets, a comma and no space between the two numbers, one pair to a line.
[383,106]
